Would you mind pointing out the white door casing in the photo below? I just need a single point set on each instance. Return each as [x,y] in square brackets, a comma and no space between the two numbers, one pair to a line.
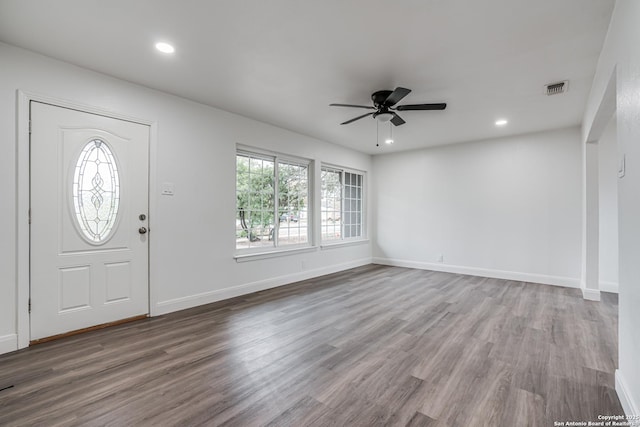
[89,262]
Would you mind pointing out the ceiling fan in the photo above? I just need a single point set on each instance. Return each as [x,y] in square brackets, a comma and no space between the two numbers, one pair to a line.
[383,102]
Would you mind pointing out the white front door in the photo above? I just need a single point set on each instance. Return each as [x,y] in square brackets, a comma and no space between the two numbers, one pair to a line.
[89,216]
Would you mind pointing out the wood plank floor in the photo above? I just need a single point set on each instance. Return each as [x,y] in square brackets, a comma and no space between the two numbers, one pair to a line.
[370,346]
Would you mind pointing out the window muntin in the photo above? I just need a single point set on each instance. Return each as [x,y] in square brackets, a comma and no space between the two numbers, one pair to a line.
[96,191]
[352,208]
[331,204]
[272,201]
[293,203]
[255,202]
[341,204]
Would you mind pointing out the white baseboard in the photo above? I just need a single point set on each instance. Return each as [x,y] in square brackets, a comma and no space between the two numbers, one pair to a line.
[626,400]
[190,301]
[567,282]
[609,287]
[591,294]
[8,343]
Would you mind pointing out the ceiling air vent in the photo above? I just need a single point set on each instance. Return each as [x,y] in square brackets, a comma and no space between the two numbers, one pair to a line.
[556,88]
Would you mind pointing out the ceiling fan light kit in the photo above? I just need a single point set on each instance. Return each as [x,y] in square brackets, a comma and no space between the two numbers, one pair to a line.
[383,117]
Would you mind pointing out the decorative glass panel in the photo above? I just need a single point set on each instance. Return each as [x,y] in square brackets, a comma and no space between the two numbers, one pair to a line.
[96,191]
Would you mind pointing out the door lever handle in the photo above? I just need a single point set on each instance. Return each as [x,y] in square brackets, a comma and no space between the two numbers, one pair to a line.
[142,230]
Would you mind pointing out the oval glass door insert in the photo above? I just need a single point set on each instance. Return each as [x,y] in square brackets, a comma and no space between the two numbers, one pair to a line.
[96,191]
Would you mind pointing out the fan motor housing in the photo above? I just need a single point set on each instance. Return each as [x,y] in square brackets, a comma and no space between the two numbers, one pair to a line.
[380,96]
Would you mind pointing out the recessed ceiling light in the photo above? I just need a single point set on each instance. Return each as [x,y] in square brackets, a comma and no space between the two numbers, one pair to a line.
[388,141]
[501,122]
[165,47]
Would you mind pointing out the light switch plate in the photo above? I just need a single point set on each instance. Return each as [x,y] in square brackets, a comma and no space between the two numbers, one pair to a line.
[168,189]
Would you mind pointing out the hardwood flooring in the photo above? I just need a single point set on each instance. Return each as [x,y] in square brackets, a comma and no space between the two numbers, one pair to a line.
[369,346]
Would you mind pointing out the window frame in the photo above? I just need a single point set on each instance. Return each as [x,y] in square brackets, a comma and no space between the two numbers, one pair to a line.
[363,206]
[275,248]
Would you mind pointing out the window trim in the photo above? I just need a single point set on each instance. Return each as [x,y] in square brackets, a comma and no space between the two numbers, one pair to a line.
[342,241]
[261,252]
[255,256]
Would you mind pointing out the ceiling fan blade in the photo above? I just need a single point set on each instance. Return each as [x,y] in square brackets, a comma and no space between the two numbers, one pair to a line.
[441,106]
[351,105]
[397,120]
[357,118]
[396,96]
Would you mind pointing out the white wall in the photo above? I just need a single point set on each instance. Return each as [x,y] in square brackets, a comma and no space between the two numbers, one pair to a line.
[620,55]
[507,207]
[193,235]
[608,208]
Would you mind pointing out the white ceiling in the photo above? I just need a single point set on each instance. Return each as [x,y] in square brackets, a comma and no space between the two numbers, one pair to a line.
[284,61]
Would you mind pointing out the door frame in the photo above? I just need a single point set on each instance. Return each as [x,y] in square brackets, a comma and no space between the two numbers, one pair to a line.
[23,176]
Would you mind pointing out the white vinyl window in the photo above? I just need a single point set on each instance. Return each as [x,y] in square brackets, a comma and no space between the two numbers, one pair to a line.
[341,205]
[272,201]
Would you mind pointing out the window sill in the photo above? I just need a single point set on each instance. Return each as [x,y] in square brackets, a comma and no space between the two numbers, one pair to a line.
[342,244]
[255,256]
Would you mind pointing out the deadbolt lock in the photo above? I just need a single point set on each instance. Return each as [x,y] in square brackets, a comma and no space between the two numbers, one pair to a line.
[142,217]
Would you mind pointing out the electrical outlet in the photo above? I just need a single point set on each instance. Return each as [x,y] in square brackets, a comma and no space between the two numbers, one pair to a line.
[440,258]
[303,264]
